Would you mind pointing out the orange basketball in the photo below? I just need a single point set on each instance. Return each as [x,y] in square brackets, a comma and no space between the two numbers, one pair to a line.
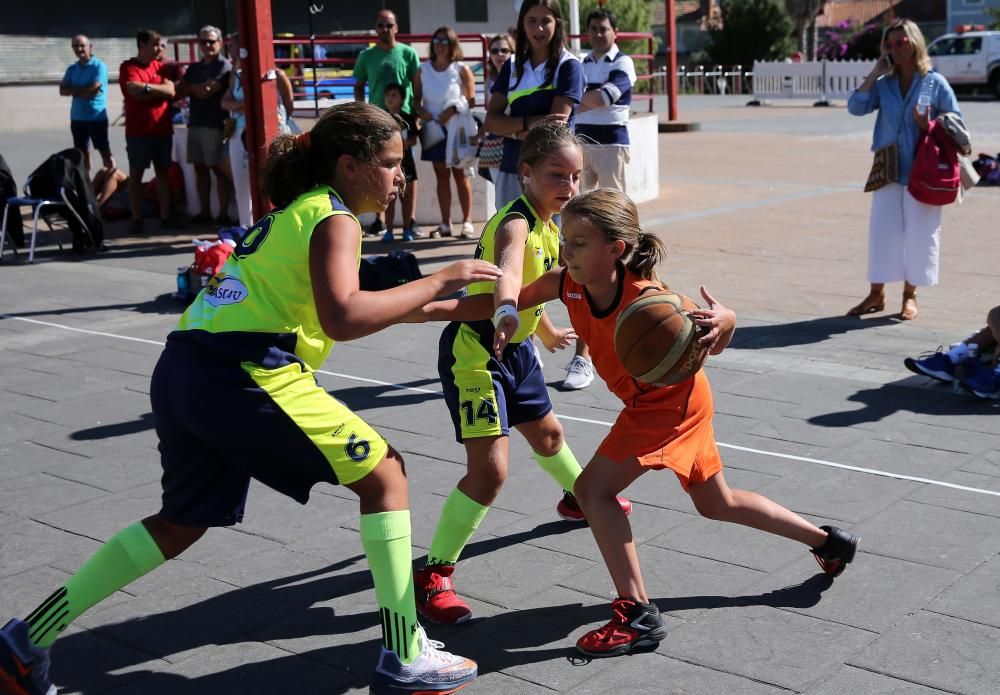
[656,338]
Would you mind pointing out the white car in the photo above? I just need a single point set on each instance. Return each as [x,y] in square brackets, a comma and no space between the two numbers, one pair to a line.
[971,58]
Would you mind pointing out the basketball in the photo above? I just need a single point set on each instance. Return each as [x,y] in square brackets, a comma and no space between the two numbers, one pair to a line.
[656,339]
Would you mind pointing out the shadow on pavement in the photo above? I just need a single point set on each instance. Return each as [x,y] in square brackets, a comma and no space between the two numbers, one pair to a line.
[802,332]
[884,401]
[163,304]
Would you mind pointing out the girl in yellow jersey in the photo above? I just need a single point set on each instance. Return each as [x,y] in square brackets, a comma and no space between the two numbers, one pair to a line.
[486,394]
[235,397]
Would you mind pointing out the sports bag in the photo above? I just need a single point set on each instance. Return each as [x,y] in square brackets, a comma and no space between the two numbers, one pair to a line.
[935,178]
[383,272]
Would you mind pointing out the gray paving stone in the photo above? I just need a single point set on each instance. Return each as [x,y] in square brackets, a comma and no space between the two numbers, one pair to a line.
[15,427]
[776,647]
[104,515]
[832,493]
[21,457]
[974,597]
[939,436]
[931,535]
[656,674]
[730,543]
[502,683]
[861,682]
[38,494]
[977,502]
[873,594]
[900,457]
[247,668]
[28,545]
[939,652]
[86,662]
[683,586]
[985,464]
[793,430]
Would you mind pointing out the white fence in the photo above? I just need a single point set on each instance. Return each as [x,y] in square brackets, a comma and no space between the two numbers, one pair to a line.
[821,80]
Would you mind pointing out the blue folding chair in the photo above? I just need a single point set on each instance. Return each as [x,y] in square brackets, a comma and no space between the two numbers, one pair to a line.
[38,206]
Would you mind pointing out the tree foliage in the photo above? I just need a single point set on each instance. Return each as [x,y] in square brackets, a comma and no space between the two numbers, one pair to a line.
[750,30]
[632,15]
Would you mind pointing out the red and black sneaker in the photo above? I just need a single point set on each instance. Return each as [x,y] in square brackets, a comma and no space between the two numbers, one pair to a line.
[634,626]
[837,551]
[568,508]
[436,598]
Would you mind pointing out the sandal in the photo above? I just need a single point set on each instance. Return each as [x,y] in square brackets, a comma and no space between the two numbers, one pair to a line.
[871,304]
[909,310]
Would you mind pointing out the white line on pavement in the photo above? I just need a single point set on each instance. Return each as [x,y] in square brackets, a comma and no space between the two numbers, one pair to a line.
[401,387]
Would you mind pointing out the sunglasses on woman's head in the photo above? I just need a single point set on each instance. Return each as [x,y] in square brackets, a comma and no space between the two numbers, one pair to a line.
[897,43]
[499,51]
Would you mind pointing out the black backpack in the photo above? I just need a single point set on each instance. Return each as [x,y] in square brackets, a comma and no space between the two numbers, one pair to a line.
[8,189]
[64,172]
[393,269]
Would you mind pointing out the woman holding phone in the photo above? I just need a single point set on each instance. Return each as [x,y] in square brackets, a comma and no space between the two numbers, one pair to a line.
[903,233]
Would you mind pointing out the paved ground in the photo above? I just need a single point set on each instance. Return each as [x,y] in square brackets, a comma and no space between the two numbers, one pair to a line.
[813,409]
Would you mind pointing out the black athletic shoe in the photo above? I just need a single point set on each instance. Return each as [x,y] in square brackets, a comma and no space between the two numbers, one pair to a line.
[837,552]
[634,626]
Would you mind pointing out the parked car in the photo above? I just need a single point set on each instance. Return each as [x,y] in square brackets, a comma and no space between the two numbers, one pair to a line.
[969,59]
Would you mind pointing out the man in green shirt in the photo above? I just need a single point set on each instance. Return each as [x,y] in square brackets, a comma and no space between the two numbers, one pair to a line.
[387,62]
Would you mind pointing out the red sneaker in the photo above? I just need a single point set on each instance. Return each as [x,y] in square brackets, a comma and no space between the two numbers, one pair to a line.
[634,626]
[436,598]
[568,508]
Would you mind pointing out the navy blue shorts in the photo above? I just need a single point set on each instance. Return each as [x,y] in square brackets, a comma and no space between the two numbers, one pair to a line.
[90,131]
[221,423]
[144,150]
[486,396]
[435,153]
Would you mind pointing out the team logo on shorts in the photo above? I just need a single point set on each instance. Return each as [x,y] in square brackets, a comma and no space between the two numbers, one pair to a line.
[225,289]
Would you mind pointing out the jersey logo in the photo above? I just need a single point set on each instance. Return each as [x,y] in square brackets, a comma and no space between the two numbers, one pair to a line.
[574,295]
[539,253]
[225,289]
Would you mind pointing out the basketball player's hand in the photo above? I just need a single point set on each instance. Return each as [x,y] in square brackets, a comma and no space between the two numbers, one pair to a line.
[504,332]
[458,275]
[558,339]
[717,320]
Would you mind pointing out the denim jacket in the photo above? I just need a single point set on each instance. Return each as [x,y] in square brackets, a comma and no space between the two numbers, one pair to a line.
[895,122]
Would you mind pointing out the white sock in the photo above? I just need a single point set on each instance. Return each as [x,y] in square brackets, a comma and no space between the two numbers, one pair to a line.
[958,352]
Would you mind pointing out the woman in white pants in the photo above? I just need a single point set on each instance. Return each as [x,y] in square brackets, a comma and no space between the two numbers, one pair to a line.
[903,233]
[238,160]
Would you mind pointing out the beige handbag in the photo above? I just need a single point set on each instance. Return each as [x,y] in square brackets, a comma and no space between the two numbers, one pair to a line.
[885,168]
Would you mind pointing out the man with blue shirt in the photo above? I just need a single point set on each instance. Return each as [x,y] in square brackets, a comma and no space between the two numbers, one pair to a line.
[602,118]
[87,82]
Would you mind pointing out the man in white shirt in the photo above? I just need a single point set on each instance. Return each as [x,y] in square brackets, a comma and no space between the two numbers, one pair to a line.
[602,118]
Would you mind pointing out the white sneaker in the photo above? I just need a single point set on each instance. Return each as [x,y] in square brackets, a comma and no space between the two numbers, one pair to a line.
[441,230]
[467,230]
[538,353]
[434,670]
[579,373]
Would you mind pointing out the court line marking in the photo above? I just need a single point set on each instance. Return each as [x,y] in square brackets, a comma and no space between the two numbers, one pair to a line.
[401,387]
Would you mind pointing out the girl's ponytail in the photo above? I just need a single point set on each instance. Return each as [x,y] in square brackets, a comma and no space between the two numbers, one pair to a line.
[649,250]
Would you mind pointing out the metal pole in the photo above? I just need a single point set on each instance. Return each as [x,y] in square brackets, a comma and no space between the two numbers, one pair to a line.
[260,95]
[574,26]
[313,10]
[671,61]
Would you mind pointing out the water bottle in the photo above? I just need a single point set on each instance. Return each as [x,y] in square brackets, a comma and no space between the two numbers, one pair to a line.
[183,284]
[926,95]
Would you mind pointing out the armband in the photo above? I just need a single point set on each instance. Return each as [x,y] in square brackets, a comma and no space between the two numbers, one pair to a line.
[502,312]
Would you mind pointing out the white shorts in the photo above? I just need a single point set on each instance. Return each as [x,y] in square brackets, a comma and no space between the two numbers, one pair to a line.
[604,166]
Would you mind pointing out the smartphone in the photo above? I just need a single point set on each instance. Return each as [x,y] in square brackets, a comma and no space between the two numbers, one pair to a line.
[888,59]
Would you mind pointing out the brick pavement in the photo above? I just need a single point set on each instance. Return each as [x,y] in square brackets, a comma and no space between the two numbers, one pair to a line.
[760,205]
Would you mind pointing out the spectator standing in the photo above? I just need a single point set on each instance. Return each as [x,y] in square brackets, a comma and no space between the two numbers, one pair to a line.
[602,119]
[387,62]
[204,85]
[86,81]
[904,235]
[602,124]
[491,148]
[233,101]
[394,94]
[543,81]
[441,88]
[148,129]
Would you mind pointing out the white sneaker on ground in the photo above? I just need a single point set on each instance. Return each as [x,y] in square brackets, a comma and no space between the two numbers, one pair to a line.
[433,671]
[443,229]
[579,373]
[467,230]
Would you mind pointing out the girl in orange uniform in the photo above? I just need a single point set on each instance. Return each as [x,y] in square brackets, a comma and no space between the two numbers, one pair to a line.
[610,261]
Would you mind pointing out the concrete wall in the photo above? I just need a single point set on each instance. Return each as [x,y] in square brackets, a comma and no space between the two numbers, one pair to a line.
[25,108]
[428,15]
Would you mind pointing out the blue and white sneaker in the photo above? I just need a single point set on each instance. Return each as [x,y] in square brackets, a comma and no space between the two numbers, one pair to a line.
[434,671]
[24,668]
[936,365]
[985,384]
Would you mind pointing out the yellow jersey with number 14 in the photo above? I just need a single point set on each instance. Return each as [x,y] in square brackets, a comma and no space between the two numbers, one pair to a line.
[541,251]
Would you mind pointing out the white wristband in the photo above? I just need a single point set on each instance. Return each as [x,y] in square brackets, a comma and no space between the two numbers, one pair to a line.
[502,312]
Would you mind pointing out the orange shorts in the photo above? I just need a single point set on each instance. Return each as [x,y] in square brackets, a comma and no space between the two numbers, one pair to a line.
[672,431]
